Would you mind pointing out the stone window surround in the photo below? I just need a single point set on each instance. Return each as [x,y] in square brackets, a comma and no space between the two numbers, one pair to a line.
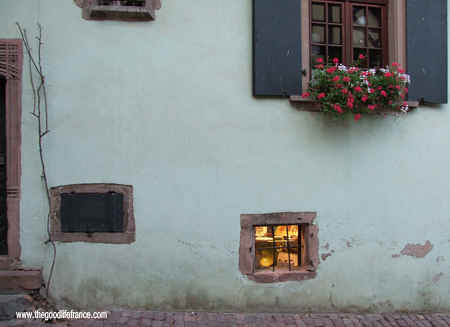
[126,237]
[247,245]
[12,72]
[131,13]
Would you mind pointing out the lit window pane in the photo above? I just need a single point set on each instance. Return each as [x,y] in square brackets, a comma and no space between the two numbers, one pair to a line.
[264,259]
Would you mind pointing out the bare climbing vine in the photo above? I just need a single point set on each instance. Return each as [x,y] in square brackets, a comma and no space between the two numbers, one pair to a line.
[40,113]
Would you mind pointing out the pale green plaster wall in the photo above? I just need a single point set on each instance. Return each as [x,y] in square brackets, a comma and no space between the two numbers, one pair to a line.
[167,107]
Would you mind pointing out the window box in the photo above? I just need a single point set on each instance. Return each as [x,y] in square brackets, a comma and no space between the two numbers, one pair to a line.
[278,247]
[96,213]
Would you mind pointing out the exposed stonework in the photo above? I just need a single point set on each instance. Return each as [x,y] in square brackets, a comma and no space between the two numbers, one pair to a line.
[417,250]
[437,277]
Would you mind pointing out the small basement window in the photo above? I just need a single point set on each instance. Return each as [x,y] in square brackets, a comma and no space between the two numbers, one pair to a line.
[277,247]
[101,213]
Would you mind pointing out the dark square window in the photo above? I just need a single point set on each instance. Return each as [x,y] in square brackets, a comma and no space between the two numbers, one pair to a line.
[92,212]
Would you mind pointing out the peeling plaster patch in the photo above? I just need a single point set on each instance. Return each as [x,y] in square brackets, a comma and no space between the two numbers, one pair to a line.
[440,258]
[324,256]
[349,244]
[396,255]
[417,250]
[437,277]
[326,246]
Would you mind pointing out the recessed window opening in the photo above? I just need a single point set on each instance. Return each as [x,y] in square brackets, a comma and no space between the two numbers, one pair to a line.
[278,247]
[346,30]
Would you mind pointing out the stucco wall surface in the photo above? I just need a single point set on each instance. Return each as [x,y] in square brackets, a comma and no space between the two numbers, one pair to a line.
[166,106]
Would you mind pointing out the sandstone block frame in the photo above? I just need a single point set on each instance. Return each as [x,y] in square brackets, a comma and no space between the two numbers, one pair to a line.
[247,245]
[126,237]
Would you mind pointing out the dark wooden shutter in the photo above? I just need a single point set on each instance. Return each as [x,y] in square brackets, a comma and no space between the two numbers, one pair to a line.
[276,47]
[427,49]
[92,212]
[3,218]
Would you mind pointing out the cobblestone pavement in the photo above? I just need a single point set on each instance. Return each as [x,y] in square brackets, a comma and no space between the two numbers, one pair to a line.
[194,319]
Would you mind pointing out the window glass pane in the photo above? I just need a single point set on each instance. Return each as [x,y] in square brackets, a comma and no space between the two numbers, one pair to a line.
[374,38]
[374,17]
[318,12]
[263,237]
[375,58]
[317,52]
[318,33]
[280,235]
[357,52]
[359,37]
[283,259]
[359,15]
[334,14]
[264,259]
[293,232]
[335,52]
[334,36]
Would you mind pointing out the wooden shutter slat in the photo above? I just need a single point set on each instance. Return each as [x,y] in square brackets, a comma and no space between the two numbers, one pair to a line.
[276,47]
[427,49]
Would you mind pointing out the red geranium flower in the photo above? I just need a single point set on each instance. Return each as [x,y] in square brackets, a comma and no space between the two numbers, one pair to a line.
[305,95]
[357,117]
[350,104]
[406,90]
[358,89]
[388,74]
[331,70]
[383,93]
[346,79]
[345,91]
[336,79]
[335,61]
[371,106]
[321,95]
[361,56]
[364,98]
[338,108]
[319,60]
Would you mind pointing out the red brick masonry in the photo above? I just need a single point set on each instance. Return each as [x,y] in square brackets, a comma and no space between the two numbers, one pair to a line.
[193,319]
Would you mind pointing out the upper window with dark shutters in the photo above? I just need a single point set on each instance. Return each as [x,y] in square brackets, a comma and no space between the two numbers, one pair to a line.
[289,35]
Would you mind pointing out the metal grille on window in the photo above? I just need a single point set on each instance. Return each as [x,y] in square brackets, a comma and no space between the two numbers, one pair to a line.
[3,217]
[278,247]
[124,3]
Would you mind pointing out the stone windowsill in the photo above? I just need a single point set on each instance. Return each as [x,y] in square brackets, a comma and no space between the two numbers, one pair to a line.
[282,275]
[312,105]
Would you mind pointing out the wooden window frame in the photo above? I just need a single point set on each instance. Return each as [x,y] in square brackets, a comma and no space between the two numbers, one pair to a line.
[396,34]
[12,72]
[310,260]
[92,10]
[126,237]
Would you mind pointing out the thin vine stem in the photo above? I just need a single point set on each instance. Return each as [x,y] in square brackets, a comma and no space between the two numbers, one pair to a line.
[40,112]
